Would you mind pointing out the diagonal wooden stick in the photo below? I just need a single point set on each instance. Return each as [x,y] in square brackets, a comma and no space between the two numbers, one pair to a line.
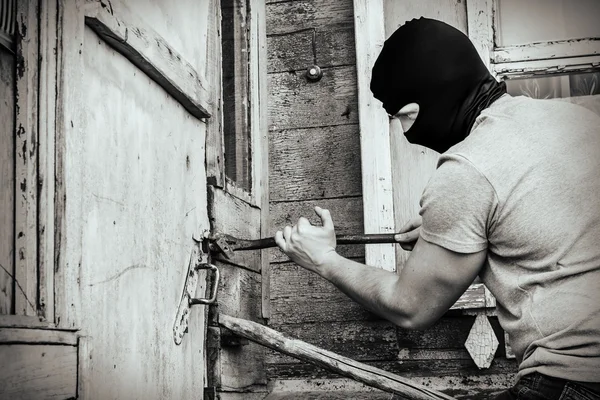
[334,362]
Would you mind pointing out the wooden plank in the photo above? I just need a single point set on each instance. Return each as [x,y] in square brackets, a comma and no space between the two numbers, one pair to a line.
[46,167]
[315,163]
[232,216]
[525,69]
[296,102]
[345,366]
[25,321]
[345,212]
[374,135]
[37,336]
[296,51]
[38,372]
[151,53]
[411,369]
[242,367]
[379,340]
[129,228]
[397,13]
[480,20]
[360,340]
[26,144]
[7,180]
[215,169]
[546,50]
[286,17]
[459,386]
[260,130]
[69,127]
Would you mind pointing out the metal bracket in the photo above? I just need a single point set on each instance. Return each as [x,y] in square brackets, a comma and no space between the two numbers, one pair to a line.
[198,260]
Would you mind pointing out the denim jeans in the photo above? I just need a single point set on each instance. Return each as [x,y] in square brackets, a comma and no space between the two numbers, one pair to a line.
[540,387]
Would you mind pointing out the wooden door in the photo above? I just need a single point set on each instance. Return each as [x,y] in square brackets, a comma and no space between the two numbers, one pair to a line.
[136,108]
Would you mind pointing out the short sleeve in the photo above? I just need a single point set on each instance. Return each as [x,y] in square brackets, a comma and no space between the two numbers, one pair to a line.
[457,206]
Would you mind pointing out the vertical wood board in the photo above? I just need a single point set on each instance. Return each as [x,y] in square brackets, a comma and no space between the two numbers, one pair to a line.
[7,179]
[374,135]
[38,372]
[135,195]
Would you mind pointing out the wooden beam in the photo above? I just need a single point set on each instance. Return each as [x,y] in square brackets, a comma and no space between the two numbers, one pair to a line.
[524,69]
[480,21]
[547,50]
[37,336]
[345,366]
[26,174]
[151,53]
[378,204]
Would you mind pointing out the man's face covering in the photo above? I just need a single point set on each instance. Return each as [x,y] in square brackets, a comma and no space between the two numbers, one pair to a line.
[436,66]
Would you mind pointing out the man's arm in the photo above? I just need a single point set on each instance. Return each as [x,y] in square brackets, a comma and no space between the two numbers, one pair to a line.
[433,278]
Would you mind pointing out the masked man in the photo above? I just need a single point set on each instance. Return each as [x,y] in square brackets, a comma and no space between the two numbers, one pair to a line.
[515,200]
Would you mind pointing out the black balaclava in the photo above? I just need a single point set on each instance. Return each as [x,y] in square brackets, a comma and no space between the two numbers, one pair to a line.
[430,63]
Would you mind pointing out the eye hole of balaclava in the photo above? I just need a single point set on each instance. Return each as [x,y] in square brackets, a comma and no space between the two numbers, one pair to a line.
[407,116]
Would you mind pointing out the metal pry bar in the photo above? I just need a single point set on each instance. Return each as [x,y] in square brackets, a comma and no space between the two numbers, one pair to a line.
[227,244]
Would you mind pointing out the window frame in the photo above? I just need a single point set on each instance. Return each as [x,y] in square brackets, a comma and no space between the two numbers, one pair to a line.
[35,100]
[257,195]
[527,60]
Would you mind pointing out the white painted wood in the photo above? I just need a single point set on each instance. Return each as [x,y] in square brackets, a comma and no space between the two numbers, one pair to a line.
[378,206]
[547,50]
[480,21]
[37,336]
[46,166]
[151,53]
[26,141]
[525,69]
[482,342]
[7,179]
[25,321]
[38,372]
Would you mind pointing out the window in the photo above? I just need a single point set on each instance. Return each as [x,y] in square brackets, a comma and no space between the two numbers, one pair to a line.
[551,47]
[236,96]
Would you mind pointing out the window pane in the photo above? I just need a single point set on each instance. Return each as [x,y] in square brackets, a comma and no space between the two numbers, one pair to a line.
[556,86]
[521,22]
[236,107]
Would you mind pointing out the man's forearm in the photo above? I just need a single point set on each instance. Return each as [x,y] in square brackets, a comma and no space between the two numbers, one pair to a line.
[375,289]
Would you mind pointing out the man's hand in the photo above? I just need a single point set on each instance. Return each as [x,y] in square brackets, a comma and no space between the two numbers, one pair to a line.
[307,245]
[409,233]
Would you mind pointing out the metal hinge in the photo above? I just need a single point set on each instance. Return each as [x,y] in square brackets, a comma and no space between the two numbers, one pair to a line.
[199,260]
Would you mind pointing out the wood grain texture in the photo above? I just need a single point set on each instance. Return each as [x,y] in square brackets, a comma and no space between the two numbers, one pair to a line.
[374,134]
[232,216]
[466,387]
[290,16]
[37,336]
[295,102]
[135,190]
[315,355]
[150,52]
[47,152]
[480,20]
[7,179]
[26,174]
[315,163]
[38,372]
[296,51]
[346,214]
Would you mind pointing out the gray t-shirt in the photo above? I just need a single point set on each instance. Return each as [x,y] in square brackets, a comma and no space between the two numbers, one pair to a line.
[525,185]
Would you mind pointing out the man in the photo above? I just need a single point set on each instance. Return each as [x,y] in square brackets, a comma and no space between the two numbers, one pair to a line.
[515,200]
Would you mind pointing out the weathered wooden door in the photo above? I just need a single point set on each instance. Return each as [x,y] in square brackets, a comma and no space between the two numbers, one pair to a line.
[137,106]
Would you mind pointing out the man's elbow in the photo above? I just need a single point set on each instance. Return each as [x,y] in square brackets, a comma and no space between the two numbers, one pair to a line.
[414,317]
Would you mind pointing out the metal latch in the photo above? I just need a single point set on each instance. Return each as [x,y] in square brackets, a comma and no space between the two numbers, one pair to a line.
[198,261]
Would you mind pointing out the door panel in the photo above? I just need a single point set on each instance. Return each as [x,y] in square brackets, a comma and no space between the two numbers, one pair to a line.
[143,195]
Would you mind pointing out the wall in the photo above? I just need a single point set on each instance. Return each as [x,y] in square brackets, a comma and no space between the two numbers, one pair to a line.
[315,160]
